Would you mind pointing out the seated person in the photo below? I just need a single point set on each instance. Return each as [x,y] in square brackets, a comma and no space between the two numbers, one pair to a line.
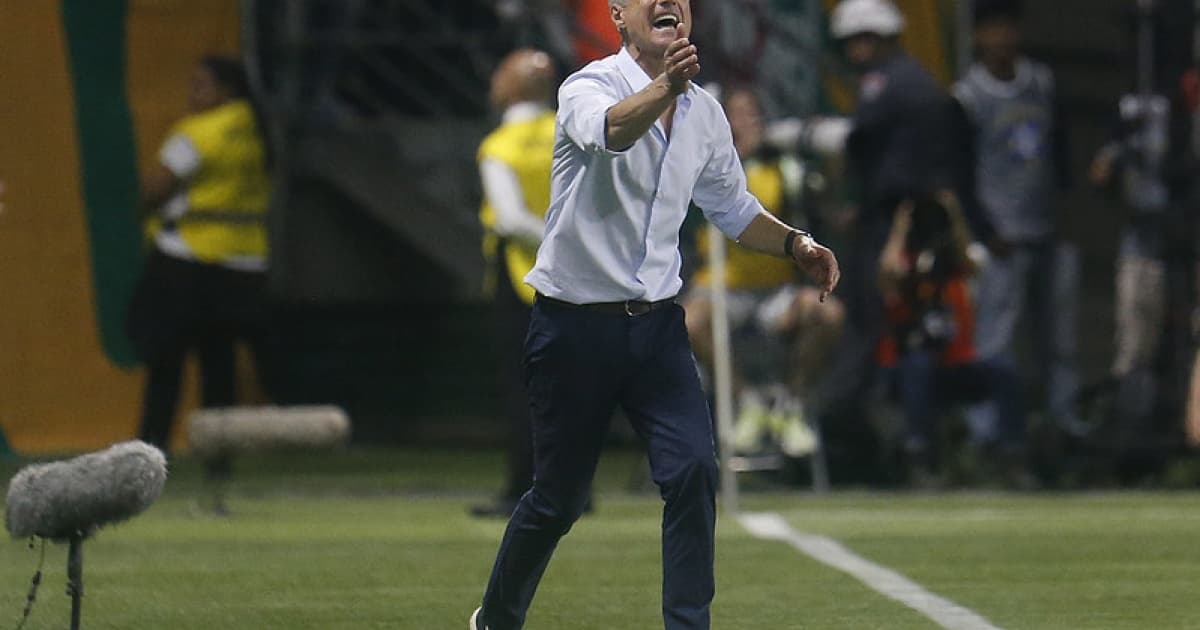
[763,300]
[928,346]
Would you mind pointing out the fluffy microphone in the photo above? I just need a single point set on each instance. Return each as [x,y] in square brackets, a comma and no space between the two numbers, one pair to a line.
[236,430]
[75,497]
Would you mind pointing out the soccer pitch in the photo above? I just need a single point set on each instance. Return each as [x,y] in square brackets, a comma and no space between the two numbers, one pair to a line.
[381,539]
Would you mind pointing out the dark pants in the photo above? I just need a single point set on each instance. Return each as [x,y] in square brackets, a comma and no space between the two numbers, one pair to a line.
[1037,282]
[580,365]
[926,386]
[512,324]
[164,375]
[182,307]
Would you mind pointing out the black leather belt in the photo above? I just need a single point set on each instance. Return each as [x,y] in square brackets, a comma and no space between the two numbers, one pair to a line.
[628,308]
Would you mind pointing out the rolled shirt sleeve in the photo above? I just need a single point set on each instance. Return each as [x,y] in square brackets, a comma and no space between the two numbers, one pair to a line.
[583,104]
[721,191]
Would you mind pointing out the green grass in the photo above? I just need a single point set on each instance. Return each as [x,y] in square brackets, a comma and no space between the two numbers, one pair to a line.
[1085,561]
[381,539]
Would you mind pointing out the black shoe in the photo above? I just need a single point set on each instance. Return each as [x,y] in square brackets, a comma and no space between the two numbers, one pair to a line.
[500,508]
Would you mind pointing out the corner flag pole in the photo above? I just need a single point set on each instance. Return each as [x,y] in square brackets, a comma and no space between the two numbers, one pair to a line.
[722,370]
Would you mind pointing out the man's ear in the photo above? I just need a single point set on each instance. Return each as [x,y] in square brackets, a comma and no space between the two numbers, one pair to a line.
[618,17]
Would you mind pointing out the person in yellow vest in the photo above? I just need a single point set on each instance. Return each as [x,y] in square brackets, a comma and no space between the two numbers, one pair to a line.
[514,163]
[764,298]
[205,201]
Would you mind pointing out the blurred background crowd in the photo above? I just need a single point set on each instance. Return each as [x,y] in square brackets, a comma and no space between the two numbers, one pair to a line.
[345,194]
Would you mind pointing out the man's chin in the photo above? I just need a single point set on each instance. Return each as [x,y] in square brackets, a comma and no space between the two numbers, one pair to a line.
[658,42]
[665,35]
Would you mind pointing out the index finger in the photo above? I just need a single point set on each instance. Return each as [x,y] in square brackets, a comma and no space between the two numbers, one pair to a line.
[832,273]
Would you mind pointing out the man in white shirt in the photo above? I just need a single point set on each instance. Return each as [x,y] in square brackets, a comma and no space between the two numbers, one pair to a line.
[636,141]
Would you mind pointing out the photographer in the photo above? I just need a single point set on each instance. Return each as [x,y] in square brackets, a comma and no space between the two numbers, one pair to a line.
[928,347]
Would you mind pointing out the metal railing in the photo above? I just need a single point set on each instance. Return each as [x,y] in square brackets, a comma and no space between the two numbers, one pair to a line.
[385,101]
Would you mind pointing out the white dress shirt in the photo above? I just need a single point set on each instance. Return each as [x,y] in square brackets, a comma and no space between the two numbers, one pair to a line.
[502,188]
[612,230]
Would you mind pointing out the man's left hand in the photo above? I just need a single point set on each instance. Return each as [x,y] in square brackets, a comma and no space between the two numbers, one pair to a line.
[819,263]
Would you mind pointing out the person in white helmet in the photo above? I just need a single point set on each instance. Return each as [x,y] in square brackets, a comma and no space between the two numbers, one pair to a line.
[898,146]
[898,150]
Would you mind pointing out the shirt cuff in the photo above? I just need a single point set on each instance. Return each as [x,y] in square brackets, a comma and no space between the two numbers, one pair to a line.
[600,133]
[735,220]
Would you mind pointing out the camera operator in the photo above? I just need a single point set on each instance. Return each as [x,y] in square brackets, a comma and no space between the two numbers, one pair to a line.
[923,274]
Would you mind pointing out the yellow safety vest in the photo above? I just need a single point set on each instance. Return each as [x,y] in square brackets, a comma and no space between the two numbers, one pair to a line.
[227,196]
[527,147]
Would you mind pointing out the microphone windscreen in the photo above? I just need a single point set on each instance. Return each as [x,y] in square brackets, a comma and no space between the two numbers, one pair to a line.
[62,499]
[257,429]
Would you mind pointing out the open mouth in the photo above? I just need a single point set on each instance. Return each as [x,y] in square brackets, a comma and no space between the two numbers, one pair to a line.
[666,21]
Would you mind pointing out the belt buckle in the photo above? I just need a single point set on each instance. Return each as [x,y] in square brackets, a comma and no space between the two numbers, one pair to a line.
[634,308]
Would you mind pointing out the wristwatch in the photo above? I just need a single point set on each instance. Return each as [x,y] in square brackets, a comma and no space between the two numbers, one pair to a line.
[789,243]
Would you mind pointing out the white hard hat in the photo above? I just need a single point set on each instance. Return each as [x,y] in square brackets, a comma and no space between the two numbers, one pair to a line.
[854,17]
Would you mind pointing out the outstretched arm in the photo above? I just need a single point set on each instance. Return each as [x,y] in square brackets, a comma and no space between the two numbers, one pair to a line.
[592,116]
[633,116]
[893,265]
[769,235]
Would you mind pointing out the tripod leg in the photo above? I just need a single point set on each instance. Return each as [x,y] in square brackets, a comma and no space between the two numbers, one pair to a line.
[75,578]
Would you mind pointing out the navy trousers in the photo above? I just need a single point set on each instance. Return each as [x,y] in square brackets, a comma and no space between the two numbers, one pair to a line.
[512,324]
[580,365]
[926,387]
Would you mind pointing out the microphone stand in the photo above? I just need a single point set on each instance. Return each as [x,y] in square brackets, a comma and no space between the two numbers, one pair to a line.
[75,578]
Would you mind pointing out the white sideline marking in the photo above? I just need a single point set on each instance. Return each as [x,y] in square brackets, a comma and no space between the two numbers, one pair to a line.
[947,614]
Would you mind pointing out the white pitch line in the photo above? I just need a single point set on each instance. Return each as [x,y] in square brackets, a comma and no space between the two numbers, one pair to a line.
[945,613]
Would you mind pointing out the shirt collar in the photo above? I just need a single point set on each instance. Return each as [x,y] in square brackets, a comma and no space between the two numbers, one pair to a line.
[523,111]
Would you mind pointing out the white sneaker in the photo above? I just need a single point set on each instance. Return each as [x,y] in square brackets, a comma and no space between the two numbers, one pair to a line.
[796,438]
[751,424]
[475,620]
